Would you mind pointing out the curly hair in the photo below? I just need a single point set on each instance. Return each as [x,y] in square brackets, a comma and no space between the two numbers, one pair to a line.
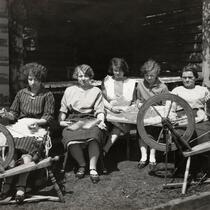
[36,70]
[150,65]
[120,64]
[191,67]
[86,69]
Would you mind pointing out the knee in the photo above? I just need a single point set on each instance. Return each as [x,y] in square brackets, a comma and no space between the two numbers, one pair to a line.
[26,158]
[116,131]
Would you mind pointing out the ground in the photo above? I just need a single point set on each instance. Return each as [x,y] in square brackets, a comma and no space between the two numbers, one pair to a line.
[125,187]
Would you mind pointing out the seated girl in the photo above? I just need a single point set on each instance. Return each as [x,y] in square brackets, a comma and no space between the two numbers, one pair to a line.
[31,111]
[82,116]
[196,96]
[118,92]
[148,87]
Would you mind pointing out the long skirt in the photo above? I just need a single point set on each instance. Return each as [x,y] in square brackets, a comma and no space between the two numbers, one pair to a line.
[24,139]
[82,136]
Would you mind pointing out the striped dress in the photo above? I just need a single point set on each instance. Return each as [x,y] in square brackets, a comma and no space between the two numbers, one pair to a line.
[26,105]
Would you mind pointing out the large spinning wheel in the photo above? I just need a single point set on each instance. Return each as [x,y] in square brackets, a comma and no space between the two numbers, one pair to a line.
[160,111]
[6,146]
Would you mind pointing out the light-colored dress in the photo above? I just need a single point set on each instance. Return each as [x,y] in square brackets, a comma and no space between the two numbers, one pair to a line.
[82,104]
[196,99]
[118,93]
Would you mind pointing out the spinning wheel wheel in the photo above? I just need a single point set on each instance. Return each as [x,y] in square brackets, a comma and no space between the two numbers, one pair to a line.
[6,146]
[159,111]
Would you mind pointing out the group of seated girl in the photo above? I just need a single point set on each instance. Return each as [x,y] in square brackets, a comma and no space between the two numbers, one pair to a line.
[83,112]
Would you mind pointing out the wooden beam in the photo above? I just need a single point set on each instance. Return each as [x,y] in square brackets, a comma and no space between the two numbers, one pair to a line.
[206,43]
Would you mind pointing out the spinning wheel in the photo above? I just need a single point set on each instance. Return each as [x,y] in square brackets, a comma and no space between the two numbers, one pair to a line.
[159,111]
[6,147]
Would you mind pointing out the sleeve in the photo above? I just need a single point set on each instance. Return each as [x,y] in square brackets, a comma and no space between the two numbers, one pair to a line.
[15,107]
[99,105]
[49,107]
[139,98]
[104,94]
[103,89]
[64,107]
[165,88]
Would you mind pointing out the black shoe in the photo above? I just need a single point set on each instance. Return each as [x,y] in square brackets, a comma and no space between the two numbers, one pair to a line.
[142,164]
[94,177]
[20,194]
[81,172]
[152,166]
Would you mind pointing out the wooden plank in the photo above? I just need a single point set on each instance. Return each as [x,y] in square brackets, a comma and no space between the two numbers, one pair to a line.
[194,202]
[28,167]
[200,148]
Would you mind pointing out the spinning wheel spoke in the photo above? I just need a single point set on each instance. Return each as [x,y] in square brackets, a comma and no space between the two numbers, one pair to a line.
[6,146]
[157,113]
[169,110]
[1,160]
[160,135]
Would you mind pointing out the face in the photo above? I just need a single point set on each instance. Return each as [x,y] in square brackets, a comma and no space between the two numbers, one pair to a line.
[188,79]
[151,77]
[83,79]
[118,74]
[33,83]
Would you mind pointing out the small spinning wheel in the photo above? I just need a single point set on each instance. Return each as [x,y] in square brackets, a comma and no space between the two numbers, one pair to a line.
[159,111]
[6,146]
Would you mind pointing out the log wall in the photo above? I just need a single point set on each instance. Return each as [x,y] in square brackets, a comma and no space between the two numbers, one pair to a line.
[4,55]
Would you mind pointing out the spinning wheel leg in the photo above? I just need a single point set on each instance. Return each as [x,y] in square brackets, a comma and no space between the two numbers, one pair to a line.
[56,186]
[184,186]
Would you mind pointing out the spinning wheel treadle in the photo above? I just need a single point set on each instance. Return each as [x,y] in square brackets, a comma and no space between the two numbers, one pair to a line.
[166,121]
[6,146]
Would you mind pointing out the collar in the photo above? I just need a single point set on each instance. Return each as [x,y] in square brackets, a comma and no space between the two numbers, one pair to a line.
[156,84]
[40,92]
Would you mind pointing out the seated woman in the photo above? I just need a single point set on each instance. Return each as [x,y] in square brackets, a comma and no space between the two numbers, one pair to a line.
[31,111]
[82,105]
[148,87]
[118,92]
[196,96]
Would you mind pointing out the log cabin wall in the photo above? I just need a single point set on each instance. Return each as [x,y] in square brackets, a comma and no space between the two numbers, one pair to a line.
[4,55]
[70,32]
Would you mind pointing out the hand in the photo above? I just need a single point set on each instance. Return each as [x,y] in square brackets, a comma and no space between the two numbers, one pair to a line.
[183,122]
[207,97]
[116,110]
[102,125]
[33,127]
[4,113]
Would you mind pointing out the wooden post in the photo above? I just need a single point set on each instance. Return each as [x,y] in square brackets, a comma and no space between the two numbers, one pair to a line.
[4,54]
[206,41]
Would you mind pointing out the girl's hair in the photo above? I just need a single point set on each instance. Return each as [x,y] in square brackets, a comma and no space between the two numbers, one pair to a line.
[118,63]
[192,68]
[150,65]
[36,70]
[87,70]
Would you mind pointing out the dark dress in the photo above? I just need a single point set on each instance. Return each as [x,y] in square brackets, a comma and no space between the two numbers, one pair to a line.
[27,106]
